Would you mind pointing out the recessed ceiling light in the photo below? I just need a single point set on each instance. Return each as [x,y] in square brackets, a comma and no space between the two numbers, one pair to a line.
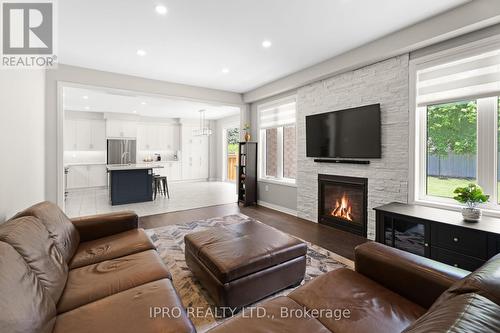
[141,52]
[160,9]
[266,44]
[143,103]
[225,70]
[85,97]
[87,108]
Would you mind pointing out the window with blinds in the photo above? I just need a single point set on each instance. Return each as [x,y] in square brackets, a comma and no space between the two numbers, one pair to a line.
[456,117]
[468,78]
[277,141]
[277,115]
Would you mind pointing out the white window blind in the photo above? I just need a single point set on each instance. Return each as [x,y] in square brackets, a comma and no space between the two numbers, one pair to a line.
[475,76]
[277,114]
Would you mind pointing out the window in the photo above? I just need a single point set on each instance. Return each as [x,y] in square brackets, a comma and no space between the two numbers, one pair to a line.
[278,147]
[456,124]
[451,147]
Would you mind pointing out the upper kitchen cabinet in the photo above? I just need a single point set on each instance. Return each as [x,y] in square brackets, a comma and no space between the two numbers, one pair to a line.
[121,128]
[158,137]
[84,134]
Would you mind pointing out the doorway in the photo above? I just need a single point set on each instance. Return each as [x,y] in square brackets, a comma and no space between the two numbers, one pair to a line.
[232,136]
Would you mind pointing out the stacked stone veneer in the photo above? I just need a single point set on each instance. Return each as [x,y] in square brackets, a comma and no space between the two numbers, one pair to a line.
[386,83]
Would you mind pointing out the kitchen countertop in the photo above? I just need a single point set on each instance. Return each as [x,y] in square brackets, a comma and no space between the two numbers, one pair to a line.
[84,163]
[139,166]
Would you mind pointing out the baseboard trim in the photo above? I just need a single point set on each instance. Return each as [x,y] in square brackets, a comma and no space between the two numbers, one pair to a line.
[277,207]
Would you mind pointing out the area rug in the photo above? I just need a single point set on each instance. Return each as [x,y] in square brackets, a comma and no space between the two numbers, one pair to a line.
[169,241]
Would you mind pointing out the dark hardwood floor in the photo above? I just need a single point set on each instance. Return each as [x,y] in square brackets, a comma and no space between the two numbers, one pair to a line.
[340,242]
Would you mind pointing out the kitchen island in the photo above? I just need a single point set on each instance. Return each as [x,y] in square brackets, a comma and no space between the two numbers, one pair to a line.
[130,183]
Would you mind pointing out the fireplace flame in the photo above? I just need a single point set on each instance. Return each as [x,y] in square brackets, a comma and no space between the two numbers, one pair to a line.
[342,209]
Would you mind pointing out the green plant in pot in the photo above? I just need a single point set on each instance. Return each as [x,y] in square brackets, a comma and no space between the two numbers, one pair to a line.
[472,195]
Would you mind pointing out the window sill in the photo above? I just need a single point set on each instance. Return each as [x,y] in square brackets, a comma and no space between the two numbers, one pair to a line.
[277,182]
[488,211]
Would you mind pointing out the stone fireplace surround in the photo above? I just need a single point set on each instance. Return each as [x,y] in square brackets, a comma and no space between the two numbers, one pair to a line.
[386,83]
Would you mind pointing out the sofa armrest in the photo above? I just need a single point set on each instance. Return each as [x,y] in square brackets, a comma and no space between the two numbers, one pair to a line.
[98,226]
[419,279]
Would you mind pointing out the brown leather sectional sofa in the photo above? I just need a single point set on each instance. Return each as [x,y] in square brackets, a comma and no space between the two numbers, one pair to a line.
[390,291]
[102,274]
[95,274]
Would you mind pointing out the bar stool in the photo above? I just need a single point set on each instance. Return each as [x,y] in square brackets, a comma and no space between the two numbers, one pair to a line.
[164,185]
[160,185]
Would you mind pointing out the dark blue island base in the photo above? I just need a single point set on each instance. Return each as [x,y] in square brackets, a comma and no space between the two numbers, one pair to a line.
[131,185]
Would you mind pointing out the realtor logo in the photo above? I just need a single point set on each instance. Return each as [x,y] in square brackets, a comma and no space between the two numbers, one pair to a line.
[28,34]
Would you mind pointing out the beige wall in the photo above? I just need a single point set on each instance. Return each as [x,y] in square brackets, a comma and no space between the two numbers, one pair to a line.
[22,94]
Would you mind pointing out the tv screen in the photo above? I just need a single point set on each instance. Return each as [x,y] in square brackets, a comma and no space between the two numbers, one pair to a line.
[350,133]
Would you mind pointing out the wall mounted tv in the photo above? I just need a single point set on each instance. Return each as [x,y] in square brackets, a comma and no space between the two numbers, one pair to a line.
[350,133]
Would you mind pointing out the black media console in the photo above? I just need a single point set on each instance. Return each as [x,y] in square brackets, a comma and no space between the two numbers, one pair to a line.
[438,234]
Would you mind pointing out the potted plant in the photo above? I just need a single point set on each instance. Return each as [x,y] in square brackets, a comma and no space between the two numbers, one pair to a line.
[246,128]
[472,195]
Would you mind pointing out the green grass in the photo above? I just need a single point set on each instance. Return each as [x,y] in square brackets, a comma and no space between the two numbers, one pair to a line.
[444,187]
[232,148]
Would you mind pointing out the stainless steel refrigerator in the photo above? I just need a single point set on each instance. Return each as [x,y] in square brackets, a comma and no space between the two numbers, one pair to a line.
[121,151]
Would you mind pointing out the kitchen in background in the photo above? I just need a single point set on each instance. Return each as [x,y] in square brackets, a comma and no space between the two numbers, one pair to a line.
[97,123]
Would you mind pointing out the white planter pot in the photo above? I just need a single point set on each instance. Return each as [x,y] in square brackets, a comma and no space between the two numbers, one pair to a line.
[471,214]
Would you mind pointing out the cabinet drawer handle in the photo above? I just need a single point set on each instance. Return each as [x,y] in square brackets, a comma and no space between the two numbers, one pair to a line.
[455,239]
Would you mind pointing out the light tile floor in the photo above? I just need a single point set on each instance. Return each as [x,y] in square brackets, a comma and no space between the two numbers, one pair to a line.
[182,196]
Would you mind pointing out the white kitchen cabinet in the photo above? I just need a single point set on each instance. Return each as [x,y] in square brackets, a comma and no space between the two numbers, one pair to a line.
[170,169]
[84,134]
[194,155]
[83,176]
[97,175]
[98,135]
[157,137]
[121,129]
[175,171]
[78,177]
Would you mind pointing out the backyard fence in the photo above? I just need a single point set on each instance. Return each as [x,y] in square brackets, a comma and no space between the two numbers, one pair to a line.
[453,166]
[232,160]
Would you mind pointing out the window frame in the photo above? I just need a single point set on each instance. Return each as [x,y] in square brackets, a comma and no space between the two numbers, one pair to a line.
[261,132]
[487,133]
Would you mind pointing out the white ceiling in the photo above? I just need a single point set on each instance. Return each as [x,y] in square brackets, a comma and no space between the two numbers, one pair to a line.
[94,100]
[196,39]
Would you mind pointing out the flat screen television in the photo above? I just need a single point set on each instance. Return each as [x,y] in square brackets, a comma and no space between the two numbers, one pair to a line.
[350,133]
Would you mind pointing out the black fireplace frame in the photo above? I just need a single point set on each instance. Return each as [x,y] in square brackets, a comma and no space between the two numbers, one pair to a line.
[338,223]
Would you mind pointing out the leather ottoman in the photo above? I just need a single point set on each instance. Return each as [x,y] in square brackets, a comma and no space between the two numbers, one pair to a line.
[242,263]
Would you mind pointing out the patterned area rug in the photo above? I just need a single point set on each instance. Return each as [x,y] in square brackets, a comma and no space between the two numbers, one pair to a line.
[169,241]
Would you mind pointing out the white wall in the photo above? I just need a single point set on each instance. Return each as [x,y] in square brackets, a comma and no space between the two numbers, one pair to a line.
[22,140]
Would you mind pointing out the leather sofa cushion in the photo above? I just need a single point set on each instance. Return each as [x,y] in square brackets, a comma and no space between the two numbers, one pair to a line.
[129,312]
[234,251]
[25,307]
[275,320]
[29,237]
[484,281]
[466,313]
[59,226]
[90,283]
[111,247]
[373,308]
